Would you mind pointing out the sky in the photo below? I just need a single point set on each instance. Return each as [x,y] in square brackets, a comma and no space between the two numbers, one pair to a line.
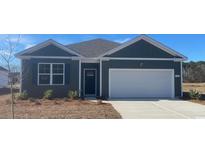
[190,45]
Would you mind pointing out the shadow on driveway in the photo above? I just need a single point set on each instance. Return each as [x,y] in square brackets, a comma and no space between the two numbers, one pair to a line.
[140,99]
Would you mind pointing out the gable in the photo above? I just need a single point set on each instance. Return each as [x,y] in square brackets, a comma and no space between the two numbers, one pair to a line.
[141,49]
[50,50]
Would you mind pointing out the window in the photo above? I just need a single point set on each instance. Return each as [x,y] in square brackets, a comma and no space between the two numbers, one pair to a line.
[51,74]
[58,73]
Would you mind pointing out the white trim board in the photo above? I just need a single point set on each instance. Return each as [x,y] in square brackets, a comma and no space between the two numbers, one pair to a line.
[44,44]
[127,58]
[149,40]
[48,57]
[181,68]
[94,60]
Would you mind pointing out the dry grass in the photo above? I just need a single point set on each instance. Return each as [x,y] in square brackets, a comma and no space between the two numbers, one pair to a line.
[194,86]
[60,109]
[198,101]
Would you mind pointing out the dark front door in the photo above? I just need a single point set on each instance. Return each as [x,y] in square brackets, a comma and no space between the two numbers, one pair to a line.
[90,82]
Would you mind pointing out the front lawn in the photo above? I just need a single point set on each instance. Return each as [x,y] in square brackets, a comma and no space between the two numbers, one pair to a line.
[200,87]
[58,108]
[202,102]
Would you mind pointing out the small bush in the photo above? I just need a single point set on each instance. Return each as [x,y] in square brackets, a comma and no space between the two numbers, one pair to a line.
[73,94]
[37,102]
[99,101]
[48,94]
[194,94]
[65,99]
[32,99]
[22,96]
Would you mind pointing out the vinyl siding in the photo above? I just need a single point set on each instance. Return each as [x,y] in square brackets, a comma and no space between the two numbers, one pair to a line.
[29,77]
[141,49]
[50,50]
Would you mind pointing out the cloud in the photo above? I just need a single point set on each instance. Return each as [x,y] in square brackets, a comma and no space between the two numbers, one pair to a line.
[15,39]
[29,46]
[5,53]
[122,40]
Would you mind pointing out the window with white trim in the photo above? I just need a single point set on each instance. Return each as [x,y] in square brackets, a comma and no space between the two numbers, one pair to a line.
[51,73]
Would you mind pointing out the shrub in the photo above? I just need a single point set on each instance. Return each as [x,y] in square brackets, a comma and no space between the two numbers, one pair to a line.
[22,96]
[37,102]
[73,94]
[48,94]
[194,94]
[65,99]
[32,99]
[99,101]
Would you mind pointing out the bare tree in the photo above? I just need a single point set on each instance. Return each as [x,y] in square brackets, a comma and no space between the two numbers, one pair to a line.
[7,51]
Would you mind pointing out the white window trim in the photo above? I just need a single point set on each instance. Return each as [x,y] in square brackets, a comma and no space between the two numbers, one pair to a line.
[51,75]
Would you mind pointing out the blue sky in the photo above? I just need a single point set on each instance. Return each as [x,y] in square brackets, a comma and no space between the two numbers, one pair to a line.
[191,45]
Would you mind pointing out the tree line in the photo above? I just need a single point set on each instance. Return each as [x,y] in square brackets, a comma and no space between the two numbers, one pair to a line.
[194,71]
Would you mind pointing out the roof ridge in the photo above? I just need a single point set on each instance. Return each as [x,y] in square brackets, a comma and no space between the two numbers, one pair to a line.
[92,40]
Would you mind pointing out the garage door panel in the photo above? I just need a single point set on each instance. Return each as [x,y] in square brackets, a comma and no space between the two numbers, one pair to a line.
[134,83]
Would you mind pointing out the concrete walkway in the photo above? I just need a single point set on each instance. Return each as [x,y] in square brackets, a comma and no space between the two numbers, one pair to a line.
[158,109]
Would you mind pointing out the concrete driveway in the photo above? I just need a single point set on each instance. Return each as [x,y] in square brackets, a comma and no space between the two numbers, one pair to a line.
[158,109]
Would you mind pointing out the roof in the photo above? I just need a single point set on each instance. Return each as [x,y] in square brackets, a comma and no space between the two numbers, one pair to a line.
[98,48]
[93,48]
[44,44]
[149,40]
[3,69]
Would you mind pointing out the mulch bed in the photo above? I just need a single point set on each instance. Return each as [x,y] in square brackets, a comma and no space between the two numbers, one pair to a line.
[58,109]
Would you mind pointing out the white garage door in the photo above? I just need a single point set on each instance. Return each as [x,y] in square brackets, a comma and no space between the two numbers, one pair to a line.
[141,83]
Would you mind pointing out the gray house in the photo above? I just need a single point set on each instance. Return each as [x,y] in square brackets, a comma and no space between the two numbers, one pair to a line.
[139,68]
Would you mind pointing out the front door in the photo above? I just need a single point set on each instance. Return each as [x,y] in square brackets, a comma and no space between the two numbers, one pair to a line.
[90,82]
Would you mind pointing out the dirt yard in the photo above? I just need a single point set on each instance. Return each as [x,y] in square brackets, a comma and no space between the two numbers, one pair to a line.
[57,109]
[194,86]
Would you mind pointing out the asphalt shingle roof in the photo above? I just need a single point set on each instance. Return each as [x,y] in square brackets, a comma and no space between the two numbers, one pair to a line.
[93,48]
